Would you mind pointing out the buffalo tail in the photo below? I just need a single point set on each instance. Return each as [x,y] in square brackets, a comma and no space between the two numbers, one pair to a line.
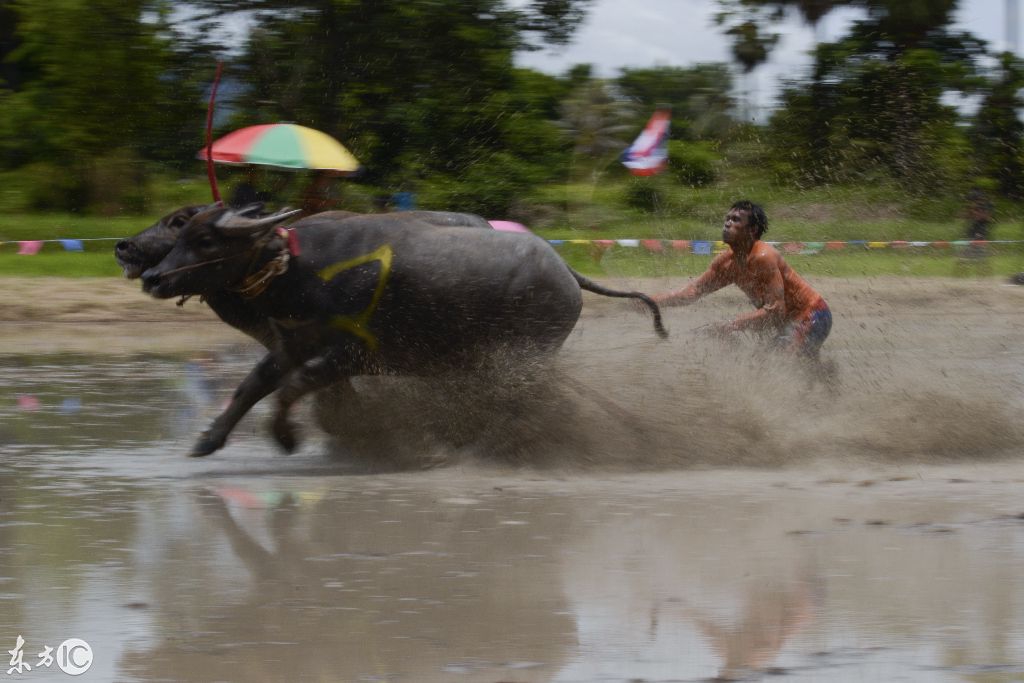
[591,286]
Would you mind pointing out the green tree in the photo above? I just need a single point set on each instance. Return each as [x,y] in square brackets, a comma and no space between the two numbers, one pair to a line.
[526,147]
[875,97]
[997,133]
[750,46]
[82,91]
[598,120]
[699,97]
[411,87]
[97,83]
[747,23]
[417,89]
[813,11]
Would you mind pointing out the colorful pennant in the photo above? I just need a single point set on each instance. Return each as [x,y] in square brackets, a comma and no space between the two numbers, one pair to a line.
[654,246]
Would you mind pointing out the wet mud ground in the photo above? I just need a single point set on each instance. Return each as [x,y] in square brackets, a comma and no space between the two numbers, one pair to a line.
[649,511]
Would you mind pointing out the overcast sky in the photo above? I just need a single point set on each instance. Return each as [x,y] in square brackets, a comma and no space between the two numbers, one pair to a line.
[642,33]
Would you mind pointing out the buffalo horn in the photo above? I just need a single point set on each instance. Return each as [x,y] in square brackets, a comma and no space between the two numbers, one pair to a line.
[232,221]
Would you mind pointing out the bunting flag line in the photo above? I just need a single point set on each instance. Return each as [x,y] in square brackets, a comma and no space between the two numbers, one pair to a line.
[27,402]
[29,247]
[33,247]
[711,247]
[648,155]
[654,246]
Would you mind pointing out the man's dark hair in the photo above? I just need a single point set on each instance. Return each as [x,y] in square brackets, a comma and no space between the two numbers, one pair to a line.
[758,218]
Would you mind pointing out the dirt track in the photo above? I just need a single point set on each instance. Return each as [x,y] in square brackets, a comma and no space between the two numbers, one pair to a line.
[873,533]
[961,322]
[99,315]
[88,300]
[55,299]
[931,370]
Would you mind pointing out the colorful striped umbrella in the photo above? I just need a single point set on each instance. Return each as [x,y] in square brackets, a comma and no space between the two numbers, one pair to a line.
[286,145]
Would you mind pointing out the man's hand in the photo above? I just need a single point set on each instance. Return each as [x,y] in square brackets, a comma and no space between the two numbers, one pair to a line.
[718,330]
[725,329]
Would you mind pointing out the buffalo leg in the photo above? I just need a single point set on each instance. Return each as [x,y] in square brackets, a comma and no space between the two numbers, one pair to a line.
[315,374]
[260,381]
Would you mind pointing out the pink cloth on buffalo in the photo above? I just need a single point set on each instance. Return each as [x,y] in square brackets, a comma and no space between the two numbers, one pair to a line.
[508,226]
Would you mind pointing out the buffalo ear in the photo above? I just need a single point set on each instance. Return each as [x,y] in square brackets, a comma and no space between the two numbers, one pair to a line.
[183,215]
[235,223]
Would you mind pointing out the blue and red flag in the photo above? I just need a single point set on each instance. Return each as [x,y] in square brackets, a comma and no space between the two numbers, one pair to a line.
[648,154]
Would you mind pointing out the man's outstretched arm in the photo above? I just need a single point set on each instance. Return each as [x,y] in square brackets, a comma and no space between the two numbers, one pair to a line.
[712,279]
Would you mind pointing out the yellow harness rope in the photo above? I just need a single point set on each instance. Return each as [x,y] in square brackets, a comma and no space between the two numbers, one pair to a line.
[358,324]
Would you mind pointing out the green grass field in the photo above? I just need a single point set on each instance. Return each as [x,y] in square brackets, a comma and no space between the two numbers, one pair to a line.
[589,211]
[97,261]
[851,262]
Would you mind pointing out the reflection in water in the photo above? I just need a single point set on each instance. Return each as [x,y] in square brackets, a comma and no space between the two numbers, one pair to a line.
[770,614]
[349,584]
[84,403]
[454,576]
[266,568]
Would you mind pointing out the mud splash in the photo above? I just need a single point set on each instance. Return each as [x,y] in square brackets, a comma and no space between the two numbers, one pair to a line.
[928,371]
[925,374]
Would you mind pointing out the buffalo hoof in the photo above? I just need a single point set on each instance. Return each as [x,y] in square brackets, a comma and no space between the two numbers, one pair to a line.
[284,434]
[205,446]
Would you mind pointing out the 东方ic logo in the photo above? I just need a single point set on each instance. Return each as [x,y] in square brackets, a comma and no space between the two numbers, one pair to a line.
[74,656]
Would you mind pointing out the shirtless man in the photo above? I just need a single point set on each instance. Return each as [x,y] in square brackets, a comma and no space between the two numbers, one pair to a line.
[786,305]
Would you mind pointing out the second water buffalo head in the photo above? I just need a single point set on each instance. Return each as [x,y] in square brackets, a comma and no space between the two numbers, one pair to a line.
[214,250]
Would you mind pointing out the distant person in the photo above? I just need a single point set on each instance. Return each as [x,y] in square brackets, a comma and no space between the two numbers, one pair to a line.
[786,306]
[403,201]
[322,193]
[980,218]
[246,192]
[979,215]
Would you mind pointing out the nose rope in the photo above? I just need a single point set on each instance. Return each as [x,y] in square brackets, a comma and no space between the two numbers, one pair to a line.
[192,266]
[254,284]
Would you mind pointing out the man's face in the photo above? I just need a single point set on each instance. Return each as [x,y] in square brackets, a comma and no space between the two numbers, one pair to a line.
[737,226]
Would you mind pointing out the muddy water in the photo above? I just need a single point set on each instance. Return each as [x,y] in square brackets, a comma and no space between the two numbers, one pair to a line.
[655,512]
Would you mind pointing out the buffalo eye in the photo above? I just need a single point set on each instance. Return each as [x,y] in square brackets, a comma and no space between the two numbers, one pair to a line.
[204,242]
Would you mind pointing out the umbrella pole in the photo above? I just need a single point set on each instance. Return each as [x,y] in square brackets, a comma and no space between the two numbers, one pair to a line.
[209,135]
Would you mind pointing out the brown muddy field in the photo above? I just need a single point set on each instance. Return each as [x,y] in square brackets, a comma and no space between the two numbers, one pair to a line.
[648,511]
[929,370]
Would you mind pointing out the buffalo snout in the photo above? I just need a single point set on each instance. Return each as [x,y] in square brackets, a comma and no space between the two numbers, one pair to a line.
[151,281]
[129,258]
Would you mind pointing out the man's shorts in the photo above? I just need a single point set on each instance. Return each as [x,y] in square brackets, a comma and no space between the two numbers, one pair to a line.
[806,334]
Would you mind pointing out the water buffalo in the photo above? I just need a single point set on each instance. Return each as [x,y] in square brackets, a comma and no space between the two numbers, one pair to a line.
[146,249]
[383,295]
